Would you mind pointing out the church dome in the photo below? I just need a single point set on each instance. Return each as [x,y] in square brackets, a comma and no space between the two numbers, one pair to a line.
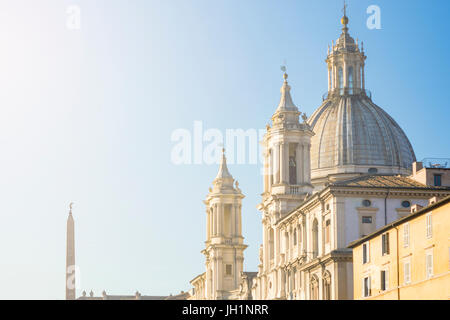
[353,134]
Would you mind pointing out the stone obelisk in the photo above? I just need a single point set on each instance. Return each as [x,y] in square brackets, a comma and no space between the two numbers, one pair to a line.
[70,257]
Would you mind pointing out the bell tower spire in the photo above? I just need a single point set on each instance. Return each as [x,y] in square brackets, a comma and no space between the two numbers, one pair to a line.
[287,179]
[344,19]
[224,246]
[286,146]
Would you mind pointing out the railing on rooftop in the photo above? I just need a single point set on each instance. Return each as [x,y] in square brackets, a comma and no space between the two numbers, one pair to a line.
[347,91]
[437,163]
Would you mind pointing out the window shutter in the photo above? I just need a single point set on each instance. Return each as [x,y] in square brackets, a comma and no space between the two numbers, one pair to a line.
[364,253]
[406,235]
[383,280]
[429,265]
[386,279]
[363,287]
[429,226]
[407,274]
[387,243]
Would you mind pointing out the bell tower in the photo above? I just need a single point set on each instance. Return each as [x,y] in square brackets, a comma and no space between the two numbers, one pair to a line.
[224,250]
[286,156]
[287,181]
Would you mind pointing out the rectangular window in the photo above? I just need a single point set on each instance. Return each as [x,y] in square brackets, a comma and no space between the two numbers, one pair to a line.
[437,180]
[366,287]
[366,256]
[384,285]
[366,219]
[407,272]
[327,231]
[228,269]
[385,243]
[406,235]
[429,262]
[429,226]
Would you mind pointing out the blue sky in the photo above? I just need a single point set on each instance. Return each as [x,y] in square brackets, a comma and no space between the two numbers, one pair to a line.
[87,115]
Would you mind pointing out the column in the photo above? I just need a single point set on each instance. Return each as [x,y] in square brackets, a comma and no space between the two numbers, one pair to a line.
[216,278]
[329,79]
[266,171]
[208,229]
[344,69]
[304,166]
[282,283]
[270,169]
[265,248]
[363,78]
[358,76]
[336,77]
[212,220]
[276,251]
[218,214]
[233,220]
[304,235]
[307,165]
[276,163]
[282,162]
[221,219]
[286,162]
[239,213]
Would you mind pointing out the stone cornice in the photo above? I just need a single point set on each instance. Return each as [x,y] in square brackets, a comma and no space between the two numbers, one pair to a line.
[330,191]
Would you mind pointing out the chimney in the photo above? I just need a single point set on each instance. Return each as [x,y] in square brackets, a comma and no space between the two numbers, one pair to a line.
[416,207]
[416,166]
[432,200]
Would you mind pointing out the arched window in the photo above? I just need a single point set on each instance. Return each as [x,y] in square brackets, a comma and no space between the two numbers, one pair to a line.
[326,286]
[315,233]
[314,283]
[292,163]
[291,283]
[227,220]
[341,80]
[304,238]
[286,237]
[350,79]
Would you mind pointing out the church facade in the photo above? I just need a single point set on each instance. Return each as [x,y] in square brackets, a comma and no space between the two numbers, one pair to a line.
[329,180]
